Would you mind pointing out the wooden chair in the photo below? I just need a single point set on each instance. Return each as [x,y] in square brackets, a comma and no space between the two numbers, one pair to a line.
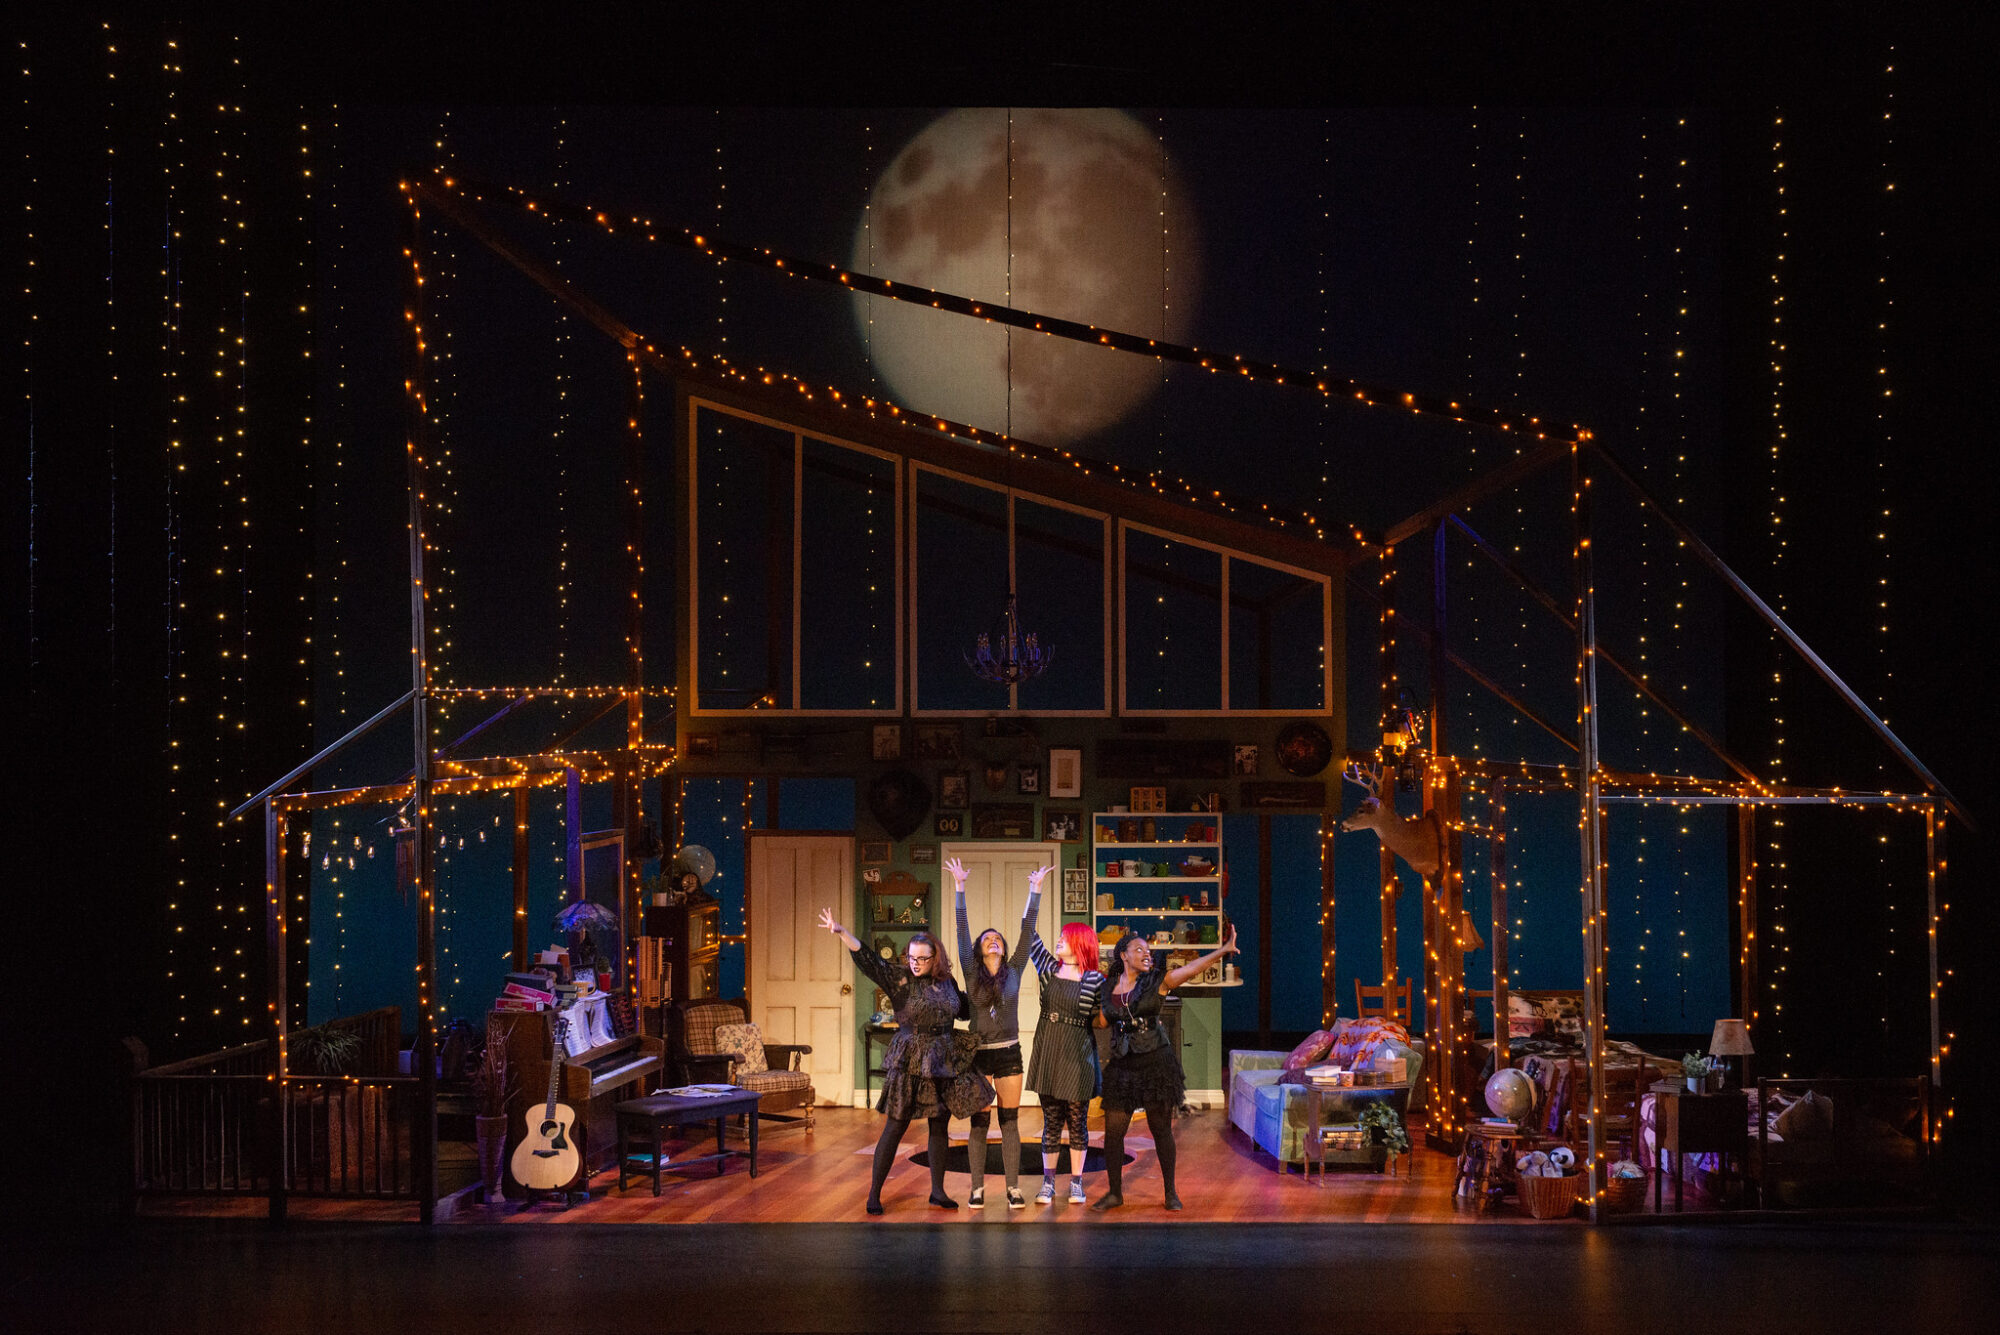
[695,1056]
[1383,1001]
[1624,1087]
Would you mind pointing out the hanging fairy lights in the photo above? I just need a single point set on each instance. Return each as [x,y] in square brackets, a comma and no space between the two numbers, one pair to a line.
[111,396]
[559,444]
[1771,867]
[1886,470]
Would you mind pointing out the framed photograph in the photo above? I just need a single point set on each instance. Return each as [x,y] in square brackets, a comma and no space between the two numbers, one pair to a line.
[1065,772]
[923,853]
[1004,820]
[1063,826]
[950,825]
[954,790]
[1149,799]
[872,875]
[704,744]
[1029,780]
[1246,759]
[935,741]
[996,775]
[875,850]
[1076,890]
[888,741]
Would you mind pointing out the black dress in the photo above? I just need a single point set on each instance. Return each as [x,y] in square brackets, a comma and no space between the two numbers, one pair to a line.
[1064,1065]
[1144,1068]
[928,1068]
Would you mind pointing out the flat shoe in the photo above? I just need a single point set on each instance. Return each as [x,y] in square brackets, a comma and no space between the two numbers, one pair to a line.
[976,1198]
[1014,1201]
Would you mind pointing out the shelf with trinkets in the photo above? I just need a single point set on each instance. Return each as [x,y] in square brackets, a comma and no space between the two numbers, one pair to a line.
[1157,859]
[884,914]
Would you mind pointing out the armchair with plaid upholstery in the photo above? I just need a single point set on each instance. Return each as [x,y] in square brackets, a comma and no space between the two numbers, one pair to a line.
[711,1041]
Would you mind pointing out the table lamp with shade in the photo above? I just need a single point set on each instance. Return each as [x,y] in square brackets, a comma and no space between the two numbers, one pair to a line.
[1731,1039]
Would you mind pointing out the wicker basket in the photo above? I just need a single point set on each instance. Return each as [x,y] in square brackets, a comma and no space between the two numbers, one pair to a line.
[1549,1197]
[1624,1193]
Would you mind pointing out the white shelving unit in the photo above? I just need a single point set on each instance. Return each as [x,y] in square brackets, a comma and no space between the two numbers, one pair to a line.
[1149,902]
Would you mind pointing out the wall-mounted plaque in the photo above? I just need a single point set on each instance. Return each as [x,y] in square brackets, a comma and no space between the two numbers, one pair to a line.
[1296,795]
[1003,820]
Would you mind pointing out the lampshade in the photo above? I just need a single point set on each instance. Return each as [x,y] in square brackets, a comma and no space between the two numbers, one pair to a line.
[1731,1039]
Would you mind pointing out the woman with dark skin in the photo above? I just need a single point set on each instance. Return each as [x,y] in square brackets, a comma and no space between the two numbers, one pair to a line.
[925,1072]
[993,990]
[1144,1070]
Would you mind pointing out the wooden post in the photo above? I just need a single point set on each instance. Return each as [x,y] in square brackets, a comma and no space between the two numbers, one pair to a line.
[1263,931]
[1497,846]
[1933,880]
[1590,819]
[423,1145]
[1328,975]
[278,1124]
[1447,891]
[521,879]
[1391,888]
[1746,913]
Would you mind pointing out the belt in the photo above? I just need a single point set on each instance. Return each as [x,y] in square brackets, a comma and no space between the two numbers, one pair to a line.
[932,1032]
[1068,1019]
[1138,1026]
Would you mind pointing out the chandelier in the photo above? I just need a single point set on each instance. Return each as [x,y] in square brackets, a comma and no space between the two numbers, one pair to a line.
[1020,657]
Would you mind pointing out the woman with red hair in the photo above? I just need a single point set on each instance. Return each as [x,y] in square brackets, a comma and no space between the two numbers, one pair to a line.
[1063,1072]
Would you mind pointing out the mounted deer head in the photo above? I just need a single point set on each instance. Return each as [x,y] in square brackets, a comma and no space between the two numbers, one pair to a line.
[1414,840]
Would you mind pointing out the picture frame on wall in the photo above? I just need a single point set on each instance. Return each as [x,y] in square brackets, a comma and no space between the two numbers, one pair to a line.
[887,741]
[954,790]
[1149,799]
[1004,820]
[1062,825]
[936,741]
[1076,890]
[875,850]
[950,825]
[1029,782]
[1246,759]
[1065,772]
[921,854]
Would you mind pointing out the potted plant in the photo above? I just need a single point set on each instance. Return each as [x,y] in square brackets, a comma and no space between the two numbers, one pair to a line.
[492,1086]
[323,1051]
[1382,1125]
[1695,1067]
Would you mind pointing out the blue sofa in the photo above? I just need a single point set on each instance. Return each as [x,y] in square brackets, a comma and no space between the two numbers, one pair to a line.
[1274,1115]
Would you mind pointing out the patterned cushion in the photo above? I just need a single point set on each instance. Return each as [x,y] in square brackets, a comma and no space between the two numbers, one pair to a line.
[771,1082]
[702,1019]
[1314,1049]
[745,1043]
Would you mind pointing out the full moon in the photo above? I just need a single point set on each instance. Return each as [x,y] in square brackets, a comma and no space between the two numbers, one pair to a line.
[1071,213]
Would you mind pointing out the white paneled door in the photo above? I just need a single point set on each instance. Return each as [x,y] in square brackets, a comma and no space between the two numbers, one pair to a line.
[996,892]
[801,980]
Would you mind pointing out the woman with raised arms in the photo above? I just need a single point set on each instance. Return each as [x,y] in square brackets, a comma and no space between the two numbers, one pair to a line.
[1064,1072]
[925,1072]
[1144,1070]
[993,991]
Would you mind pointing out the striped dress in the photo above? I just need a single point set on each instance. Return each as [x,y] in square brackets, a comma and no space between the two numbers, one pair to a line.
[1064,1065]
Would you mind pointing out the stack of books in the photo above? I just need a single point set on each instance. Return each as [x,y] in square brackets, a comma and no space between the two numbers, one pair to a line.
[1330,1077]
[525,992]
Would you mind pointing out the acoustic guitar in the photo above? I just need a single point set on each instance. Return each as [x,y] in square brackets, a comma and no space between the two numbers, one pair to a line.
[547,1158]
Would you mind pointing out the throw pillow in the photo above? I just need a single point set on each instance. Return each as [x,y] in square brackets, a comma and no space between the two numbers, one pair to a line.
[1313,1050]
[744,1042]
[1810,1118]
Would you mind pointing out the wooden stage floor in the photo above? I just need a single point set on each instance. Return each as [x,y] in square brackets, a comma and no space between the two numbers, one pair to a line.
[822,1177]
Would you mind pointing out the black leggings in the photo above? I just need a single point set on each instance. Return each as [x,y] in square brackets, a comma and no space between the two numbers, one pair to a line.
[1058,1114]
[892,1136]
[1159,1121]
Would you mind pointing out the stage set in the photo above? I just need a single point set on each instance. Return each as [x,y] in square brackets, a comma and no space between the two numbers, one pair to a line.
[984,488]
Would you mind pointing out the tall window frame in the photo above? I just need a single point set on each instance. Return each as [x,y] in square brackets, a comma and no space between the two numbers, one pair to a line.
[1227,555]
[898,543]
[1107,627]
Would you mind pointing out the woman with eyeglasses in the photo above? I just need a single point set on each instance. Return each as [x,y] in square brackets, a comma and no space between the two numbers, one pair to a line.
[1144,1070]
[993,991]
[926,1073]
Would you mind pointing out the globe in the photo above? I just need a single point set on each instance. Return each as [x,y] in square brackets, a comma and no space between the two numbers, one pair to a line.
[1511,1094]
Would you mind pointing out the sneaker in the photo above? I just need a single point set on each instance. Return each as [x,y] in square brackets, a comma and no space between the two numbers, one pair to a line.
[1014,1201]
[1047,1195]
[1076,1191]
[976,1198]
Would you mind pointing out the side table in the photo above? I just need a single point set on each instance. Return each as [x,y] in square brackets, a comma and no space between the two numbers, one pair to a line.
[1486,1164]
[651,1116]
[1354,1096]
[1685,1124]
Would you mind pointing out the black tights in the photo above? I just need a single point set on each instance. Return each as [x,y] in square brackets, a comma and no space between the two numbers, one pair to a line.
[1059,1115]
[1160,1122]
[1010,1146]
[885,1154]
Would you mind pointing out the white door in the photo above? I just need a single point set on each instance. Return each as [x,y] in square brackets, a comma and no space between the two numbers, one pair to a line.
[996,891]
[800,979]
